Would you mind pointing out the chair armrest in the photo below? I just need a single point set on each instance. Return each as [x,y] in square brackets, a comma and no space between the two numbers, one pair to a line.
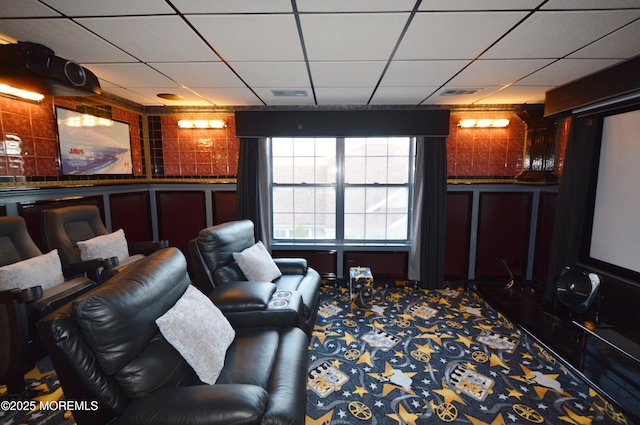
[292,265]
[240,296]
[89,268]
[147,247]
[24,296]
[218,404]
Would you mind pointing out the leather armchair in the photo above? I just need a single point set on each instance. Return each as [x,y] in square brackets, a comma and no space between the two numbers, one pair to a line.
[263,380]
[64,227]
[216,272]
[16,245]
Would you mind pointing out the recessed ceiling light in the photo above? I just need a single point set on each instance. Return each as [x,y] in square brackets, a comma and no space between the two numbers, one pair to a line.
[170,96]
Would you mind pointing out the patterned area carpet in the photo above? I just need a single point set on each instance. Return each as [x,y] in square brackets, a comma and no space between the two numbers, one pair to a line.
[43,385]
[407,356]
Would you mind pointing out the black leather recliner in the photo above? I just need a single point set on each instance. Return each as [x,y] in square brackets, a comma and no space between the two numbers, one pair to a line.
[215,270]
[64,227]
[17,245]
[107,342]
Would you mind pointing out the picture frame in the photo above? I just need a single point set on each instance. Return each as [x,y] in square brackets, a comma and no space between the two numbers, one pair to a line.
[91,145]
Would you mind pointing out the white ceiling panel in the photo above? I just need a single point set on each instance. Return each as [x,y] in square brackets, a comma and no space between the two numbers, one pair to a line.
[28,8]
[528,94]
[497,72]
[272,75]
[329,6]
[557,34]
[436,97]
[270,99]
[590,4]
[200,74]
[229,96]
[565,70]
[134,96]
[421,73]
[622,44]
[351,37]
[233,6]
[109,8]
[152,38]
[346,74]
[440,35]
[79,44]
[462,5]
[250,38]
[343,95]
[411,95]
[131,75]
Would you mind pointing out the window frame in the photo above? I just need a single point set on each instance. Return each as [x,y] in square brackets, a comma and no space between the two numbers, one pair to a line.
[340,187]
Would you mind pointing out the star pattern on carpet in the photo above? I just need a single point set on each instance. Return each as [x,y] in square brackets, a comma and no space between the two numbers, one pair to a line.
[400,355]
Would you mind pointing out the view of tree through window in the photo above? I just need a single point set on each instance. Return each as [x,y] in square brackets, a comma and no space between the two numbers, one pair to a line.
[343,189]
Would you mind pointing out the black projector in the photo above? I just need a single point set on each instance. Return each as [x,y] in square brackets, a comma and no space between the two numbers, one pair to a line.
[34,67]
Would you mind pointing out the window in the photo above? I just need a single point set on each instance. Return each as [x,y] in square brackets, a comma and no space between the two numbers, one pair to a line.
[342,189]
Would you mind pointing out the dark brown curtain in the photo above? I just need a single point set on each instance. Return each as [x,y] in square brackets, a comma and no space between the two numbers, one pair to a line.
[572,199]
[432,217]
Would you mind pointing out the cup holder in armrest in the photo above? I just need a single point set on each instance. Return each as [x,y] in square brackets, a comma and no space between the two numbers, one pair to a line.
[280,299]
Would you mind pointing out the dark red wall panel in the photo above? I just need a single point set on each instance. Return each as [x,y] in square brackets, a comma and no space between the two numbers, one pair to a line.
[383,264]
[503,232]
[132,213]
[181,215]
[544,232]
[458,235]
[224,206]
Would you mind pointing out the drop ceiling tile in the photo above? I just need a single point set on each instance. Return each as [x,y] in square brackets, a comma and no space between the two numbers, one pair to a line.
[589,4]
[150,93]
[437,97]
[557,34]
[233,6]
[109,8]
[250,38]
[401,95]
[448,35]
[28,8]
[461,5]
[229,96]
[152,38]
[132,75]
[77,44]
[134,96]
[355,5]
[343,95]
[497,72]
[516,94]
[622,44]
[200,74]
[421,73]
[272,100]
[351,37]
[346,74]
[272,74]
[566,70]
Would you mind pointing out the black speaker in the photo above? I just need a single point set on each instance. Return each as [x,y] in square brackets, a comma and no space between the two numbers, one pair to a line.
[32,66]
[577,289]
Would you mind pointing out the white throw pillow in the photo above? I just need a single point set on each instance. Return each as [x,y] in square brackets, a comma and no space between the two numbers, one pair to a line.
[256,263]
[105,246]
[198,330]
[44,270]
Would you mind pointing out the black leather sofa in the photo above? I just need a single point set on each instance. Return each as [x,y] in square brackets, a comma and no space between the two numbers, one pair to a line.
[216,271]
[107,343]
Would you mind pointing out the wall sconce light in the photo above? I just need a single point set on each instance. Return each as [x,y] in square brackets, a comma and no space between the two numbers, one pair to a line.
[483,123]
[19,93]
[202,124]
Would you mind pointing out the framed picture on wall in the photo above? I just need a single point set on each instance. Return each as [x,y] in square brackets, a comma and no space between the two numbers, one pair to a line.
[91,145]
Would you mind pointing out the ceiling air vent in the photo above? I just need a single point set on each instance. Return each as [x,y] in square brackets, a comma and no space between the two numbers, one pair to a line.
[289,93]
[458,92]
